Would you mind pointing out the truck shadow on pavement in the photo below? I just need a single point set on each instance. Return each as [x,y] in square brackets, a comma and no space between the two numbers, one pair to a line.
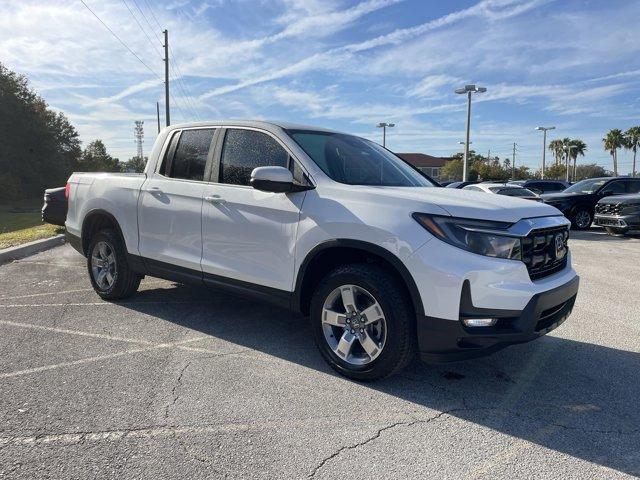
[576,398]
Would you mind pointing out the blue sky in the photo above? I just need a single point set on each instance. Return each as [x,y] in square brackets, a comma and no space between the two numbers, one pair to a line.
[341,64]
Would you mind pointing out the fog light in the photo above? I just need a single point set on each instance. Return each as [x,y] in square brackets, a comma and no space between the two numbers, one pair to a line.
[479,322]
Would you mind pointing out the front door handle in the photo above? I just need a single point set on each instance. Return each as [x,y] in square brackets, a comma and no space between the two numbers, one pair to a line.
[216,199]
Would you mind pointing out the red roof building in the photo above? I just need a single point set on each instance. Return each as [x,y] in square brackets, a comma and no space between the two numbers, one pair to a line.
[427,163]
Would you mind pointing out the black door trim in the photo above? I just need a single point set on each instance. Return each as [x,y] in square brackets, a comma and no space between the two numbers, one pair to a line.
[175,273]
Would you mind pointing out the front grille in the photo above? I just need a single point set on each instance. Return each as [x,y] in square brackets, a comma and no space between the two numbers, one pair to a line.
[543,254]
[609,208]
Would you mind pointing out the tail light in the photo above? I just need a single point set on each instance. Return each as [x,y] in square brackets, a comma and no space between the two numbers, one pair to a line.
[67,191]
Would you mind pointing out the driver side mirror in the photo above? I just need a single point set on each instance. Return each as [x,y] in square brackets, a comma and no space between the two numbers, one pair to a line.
[272,179]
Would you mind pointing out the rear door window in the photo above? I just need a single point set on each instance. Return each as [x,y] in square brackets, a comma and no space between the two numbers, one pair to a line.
[190,157]
[244,150]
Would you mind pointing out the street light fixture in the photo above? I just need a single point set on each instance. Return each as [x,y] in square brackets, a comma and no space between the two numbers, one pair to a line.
[544,145]
[384,126]
[468,89]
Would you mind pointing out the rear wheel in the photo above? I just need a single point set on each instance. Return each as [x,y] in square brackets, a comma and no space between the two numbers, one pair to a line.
[582,219]
[363,322]
[108,268]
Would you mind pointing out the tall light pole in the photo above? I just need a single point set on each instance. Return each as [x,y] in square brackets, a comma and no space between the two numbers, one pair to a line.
[384,126]
[468,89]
[544,145]
[568,148]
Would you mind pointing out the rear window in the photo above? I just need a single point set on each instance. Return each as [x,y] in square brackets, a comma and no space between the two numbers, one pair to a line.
[516,192]
[187,154]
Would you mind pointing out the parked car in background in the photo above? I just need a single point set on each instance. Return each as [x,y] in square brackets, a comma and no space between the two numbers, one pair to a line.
[337,228]
[543,186]
[507,189]
[459,184]
[618,214]
[54,210]
[578,202]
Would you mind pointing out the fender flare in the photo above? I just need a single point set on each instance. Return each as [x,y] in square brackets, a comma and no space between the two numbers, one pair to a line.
[377,250]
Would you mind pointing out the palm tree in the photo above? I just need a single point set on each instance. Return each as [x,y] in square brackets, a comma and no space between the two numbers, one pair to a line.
[612,142]
[632,142]
[555,147]
[578,147]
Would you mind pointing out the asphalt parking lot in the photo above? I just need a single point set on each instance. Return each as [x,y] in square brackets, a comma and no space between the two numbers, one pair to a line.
[180,382]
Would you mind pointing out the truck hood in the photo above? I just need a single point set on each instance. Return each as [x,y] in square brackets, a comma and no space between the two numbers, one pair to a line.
[466,203]
[556,197]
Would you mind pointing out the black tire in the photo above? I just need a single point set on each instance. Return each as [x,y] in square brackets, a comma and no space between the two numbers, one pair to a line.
[401,342]
[616,231]
[126,281]
[578,221]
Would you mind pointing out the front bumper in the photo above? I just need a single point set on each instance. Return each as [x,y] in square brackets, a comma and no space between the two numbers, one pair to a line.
[617,221]
[443,340]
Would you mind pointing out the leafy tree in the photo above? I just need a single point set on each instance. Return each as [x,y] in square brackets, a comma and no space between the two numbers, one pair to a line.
[557,172]
[452,169]
[632,142]
[612,142]
[39,148]
[134,165]
[95,158]
[590,170]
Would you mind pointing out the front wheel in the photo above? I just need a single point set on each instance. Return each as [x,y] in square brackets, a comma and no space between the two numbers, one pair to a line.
[109,270]
[363,322]
[582,219]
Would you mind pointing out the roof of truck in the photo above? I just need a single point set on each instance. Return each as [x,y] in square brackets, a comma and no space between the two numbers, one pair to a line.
[252,123]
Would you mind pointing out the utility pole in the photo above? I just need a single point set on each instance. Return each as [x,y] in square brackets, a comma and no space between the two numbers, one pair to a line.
[167,115]
[489,157]
[384,126]
[138,133]
[513,162]
[158,114]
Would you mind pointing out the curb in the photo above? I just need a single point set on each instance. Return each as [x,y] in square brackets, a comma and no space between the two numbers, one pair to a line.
[27,249]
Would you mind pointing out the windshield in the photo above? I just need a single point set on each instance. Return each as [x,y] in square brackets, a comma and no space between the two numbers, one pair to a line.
[586,186]
[356,161]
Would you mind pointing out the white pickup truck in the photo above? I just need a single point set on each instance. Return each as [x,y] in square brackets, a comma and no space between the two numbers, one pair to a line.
[384,262]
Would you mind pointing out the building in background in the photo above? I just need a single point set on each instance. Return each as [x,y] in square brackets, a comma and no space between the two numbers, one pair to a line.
[426,163]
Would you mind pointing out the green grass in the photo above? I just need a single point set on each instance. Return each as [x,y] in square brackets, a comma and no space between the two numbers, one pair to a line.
[21,222]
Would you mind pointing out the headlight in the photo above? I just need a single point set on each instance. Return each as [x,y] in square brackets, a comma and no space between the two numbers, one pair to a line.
[477,236]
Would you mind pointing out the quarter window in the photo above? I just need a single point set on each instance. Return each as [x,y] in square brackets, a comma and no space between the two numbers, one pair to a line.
[245,150]
[190,156]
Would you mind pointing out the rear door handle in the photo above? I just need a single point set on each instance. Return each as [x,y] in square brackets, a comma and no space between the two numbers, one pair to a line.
[215,199]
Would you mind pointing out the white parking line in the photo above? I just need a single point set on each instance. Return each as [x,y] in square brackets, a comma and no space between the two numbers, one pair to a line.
[103,304]
[89,289]
[98,358]
[75,332]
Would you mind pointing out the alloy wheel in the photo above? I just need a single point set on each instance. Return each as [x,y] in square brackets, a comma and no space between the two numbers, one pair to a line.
[354,325]
[103,265]
[582,219]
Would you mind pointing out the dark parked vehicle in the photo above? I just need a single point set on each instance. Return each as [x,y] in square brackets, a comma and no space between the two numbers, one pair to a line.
[578,202]
[618,214]
[544,186]
[54,210]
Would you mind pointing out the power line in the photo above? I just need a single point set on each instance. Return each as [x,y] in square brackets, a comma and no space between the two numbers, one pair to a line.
[120,40]
[178,76]
[142,29]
